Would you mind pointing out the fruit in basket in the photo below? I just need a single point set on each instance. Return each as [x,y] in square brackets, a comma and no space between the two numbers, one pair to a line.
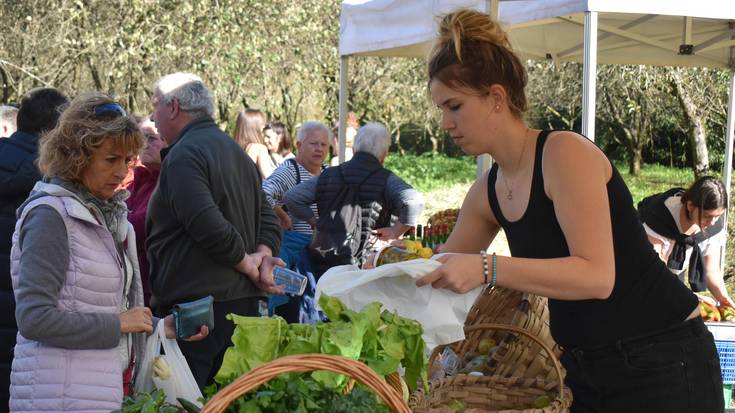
[468,356]
[709,312]
[542,401]
[476,364]
[411,245]
[485,345]
[425,252]
[455,405]
[727,313]
[447,216]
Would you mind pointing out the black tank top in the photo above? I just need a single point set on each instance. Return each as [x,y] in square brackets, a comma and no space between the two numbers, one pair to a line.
[646,296]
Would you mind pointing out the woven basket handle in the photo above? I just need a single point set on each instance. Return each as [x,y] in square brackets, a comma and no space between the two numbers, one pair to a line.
[549,351]
[305,363]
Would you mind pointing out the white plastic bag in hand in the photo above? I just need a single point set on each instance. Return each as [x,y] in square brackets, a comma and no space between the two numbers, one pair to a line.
[168,372]
[440,311]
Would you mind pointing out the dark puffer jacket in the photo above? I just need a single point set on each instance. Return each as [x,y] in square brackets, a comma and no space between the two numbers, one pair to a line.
[18,174]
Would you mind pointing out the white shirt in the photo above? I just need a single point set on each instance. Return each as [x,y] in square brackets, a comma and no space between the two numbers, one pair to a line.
[710,246]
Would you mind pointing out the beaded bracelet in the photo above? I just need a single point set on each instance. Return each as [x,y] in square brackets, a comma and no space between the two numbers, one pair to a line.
[484,265]
[495,271]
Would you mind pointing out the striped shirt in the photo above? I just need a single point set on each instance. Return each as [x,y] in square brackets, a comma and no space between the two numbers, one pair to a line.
[280,181]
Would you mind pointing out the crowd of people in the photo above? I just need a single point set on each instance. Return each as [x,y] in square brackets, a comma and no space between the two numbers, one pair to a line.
[108,220]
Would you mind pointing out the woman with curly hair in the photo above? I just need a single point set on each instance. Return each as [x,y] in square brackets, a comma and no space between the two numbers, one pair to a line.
[74,267]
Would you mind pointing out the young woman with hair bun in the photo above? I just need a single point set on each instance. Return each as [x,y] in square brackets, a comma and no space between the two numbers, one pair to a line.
[631,333]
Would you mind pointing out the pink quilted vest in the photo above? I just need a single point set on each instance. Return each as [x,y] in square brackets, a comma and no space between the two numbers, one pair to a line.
[46,378]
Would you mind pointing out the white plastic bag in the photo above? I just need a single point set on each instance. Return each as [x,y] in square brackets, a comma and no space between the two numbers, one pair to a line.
[179,382]
[440,311]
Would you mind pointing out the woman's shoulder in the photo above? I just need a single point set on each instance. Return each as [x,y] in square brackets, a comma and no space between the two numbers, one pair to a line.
[562,146]
[256,150]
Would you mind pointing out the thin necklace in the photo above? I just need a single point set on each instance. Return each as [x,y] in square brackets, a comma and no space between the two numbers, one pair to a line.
[509,188]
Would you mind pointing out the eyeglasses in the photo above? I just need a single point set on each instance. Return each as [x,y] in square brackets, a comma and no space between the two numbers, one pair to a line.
[109,109]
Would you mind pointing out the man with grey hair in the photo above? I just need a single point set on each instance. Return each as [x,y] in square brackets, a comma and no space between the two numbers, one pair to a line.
[382,194]
[8,116]
[312,146]
[210,230]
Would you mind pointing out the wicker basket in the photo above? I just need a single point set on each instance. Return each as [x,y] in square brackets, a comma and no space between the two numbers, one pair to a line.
[305,363]
[445,216]
[513,357]
[495,393]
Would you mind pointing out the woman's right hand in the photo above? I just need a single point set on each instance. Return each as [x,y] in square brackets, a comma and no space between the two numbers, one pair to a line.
[136,320]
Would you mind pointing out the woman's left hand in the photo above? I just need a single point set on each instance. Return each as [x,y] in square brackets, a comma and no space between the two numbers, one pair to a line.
[459,273]
[170,329]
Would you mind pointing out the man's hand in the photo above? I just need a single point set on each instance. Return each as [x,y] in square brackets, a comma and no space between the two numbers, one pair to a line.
[391,233]
[311,221]
[170,329]
[283,219]
[267,283]
[249,266]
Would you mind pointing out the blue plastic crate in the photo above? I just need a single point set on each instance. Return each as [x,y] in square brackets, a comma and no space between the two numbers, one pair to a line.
[726,350]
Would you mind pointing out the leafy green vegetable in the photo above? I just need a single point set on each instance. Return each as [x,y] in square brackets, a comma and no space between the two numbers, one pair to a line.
[303,394]
[256,341]
[383,340]
[154,402]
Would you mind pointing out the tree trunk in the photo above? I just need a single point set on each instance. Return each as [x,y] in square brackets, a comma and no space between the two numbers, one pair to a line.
[634,149]
[6,86]
[698,143]
[636,156]
[398,141]
[697,130]
[95,74]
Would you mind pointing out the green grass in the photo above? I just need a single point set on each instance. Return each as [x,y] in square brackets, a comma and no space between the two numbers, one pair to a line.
[654,179]
[427,172]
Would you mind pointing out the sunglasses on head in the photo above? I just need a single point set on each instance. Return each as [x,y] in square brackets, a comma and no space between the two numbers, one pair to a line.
[109,109]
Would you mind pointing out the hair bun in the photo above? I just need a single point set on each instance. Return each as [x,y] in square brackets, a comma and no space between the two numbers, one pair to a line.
[467,26]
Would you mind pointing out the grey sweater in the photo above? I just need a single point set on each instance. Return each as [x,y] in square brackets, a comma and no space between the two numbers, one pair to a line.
[206,213]
[38,290]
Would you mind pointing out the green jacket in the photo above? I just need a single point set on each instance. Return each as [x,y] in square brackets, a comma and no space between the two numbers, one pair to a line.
[206,212]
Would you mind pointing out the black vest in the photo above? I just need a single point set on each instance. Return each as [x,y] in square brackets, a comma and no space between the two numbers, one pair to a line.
[372,191]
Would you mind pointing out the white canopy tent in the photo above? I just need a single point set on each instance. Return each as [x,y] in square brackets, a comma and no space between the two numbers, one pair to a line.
[653,32]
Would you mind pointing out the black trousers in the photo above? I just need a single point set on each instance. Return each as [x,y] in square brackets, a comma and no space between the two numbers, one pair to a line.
[205,357]
[676,370]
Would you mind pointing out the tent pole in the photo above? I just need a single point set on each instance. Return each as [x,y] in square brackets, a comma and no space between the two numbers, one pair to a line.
[727,167]
[343,92]
[491,8]
[589,84]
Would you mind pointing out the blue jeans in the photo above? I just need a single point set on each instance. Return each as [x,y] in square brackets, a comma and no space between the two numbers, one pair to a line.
[293,253]
[676,370]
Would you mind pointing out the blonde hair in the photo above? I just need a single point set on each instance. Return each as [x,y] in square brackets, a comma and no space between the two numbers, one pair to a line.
[249,127]
[66,150]
[473,52]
